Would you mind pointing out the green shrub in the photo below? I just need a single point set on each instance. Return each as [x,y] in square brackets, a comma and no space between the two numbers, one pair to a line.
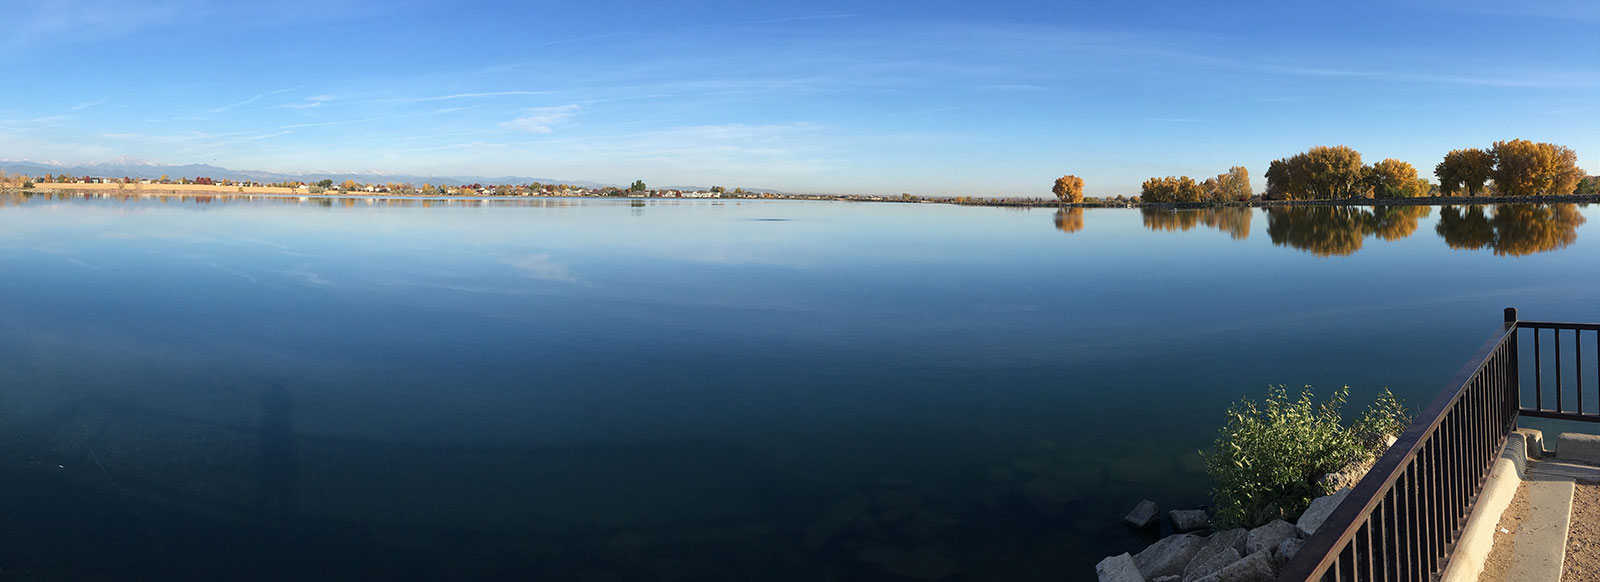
[1268,457]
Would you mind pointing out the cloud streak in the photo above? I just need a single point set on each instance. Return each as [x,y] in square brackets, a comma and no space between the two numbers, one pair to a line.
[540,119]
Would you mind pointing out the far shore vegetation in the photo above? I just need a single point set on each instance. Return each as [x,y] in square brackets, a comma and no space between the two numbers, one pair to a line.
[1512,170]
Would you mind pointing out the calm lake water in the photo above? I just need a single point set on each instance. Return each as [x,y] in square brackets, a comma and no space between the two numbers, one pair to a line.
[666,390]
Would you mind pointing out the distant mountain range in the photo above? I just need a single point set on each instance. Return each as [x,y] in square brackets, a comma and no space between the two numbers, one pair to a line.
[138,169]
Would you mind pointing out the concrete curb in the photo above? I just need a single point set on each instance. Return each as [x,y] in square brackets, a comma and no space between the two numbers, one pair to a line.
[1477,538]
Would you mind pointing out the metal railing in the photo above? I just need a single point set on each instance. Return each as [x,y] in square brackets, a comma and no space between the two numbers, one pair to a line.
[1401,521]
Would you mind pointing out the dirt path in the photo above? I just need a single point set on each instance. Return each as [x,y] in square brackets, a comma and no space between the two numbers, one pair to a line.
[1498,563]
[1582,563]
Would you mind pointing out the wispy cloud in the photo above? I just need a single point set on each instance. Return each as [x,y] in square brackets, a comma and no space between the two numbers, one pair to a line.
[83,106]
[539,119]
[311,102]
[327,123]
[252,99]
[465,96]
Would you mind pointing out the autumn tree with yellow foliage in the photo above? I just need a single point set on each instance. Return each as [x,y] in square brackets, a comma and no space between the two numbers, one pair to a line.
[1069,189]
[1393,178]
[1320,173]
[1468,169]
[1525,168]
[1169,190]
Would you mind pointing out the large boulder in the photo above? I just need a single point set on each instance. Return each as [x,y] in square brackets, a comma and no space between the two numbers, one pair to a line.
[1268,536]
[1187,520]
[1119,568]
[1143,515]
[1256,567]
[1226,542]
[1319,511]
[1168,556]
[1201,567]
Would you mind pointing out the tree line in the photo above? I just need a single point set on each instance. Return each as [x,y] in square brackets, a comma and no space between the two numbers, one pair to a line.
[1516,167]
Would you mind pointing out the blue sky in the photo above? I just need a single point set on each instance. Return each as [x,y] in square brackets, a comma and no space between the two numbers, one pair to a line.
[928,97]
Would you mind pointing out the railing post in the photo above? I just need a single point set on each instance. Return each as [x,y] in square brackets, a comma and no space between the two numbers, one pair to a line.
[1513,372]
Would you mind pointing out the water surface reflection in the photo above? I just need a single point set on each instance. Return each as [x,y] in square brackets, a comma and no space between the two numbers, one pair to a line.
[1514,229]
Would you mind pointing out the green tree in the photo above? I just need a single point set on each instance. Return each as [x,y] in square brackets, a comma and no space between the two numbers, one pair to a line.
[325,183]
[1069,189]
[1525,168]
[1588,185]
[1320,173]
[1466,169]
[637,186]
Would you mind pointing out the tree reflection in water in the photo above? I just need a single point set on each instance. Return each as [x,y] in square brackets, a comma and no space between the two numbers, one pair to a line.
[1234,220]
[1069,219]
[1513,229]
[1340,230]
[1323,230]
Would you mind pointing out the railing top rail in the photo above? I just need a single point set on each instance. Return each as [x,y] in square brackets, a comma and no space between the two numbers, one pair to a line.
[1557,325]
[1342,525]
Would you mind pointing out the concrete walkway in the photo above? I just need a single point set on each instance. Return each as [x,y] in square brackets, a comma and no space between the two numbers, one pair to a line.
[1543,513]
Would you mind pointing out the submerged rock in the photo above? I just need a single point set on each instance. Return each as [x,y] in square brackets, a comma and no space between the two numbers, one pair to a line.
[834,521]
[1143,514]
[1049,497]
[918,564]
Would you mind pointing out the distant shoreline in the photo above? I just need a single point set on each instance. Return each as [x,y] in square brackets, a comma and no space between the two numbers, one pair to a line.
[170,190]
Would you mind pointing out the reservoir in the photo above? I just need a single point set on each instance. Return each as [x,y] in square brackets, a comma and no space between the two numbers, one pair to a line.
[673,390]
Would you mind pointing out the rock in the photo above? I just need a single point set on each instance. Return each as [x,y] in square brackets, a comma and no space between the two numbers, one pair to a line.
[918,564]
[1187,520]
[1118,568]
[1143,515]
[1289,547]
[1201,567]
[1319,511]
[1348,476]
[1172,578]
[924,524]
[1168,556]
[1268,536]
[1226,542]
[1049,497]
[834,521]
[1256,567]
